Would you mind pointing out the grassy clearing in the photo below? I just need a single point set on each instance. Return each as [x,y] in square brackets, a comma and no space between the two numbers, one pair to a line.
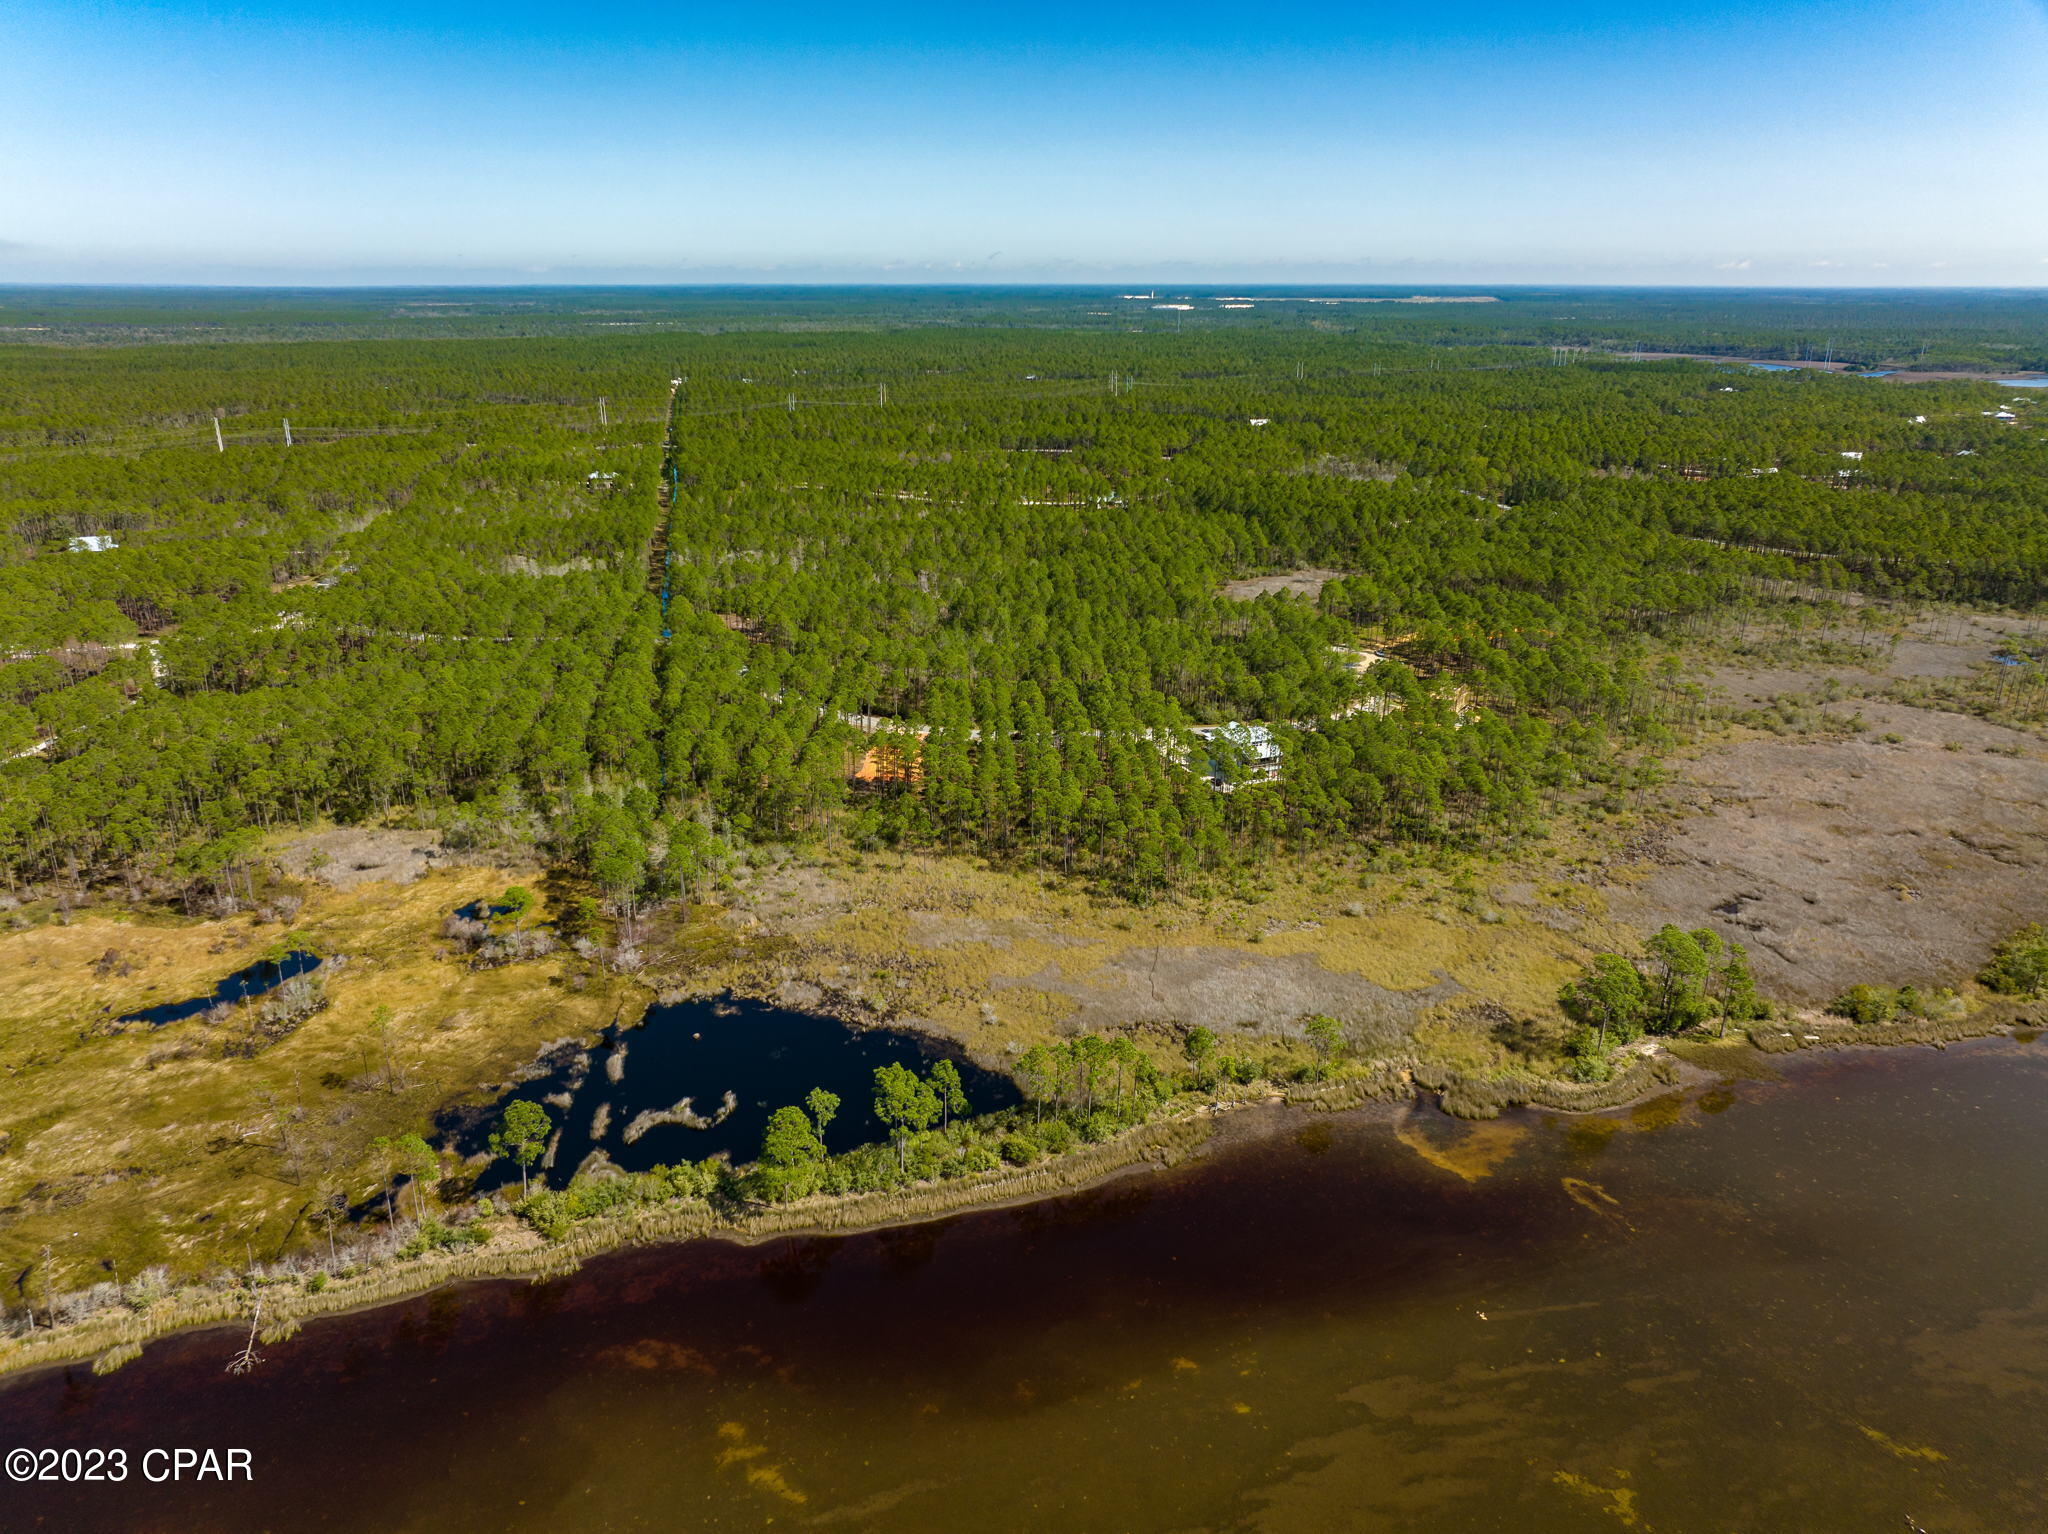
[131,1147]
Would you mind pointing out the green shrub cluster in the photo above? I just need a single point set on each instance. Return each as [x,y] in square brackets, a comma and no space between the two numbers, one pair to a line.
[436,1236]
[1885,1003]
[1083,1092]
[553,1211]
[2019,965]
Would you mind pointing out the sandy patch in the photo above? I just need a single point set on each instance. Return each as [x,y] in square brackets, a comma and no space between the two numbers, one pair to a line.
[348,856]
[1302,583]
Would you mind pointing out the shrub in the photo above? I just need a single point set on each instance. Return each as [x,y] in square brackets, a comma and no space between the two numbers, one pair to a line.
[547,1212]
[981,1158]
[925,1157]
[1866,1004]
[1057,1136]
[433,1236]
[782,1184]
[1020,1149]
[686,1179]
[147,1287]
[465,931]
[1933,1004]
[1585,1060]
[871,1169]
[2019,965]
[582,921]
[1099,1126]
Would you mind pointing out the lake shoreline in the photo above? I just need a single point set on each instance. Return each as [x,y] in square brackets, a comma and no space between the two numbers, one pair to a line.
[274,1312]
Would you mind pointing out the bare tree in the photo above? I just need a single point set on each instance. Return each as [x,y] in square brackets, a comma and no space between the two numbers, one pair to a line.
[248,1358]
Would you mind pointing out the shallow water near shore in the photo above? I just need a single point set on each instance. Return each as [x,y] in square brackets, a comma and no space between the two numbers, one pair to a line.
[1816,1302]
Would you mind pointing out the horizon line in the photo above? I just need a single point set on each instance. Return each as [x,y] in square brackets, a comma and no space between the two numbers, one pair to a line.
[745,284]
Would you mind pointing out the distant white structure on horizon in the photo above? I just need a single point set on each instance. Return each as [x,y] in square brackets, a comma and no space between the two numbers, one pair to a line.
[92,543]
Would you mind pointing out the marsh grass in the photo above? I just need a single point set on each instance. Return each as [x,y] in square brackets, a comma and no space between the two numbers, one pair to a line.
[1832,1033]
[129,1146]
[1487,1097]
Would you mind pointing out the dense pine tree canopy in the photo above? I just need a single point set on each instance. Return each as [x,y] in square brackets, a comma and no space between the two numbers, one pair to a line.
[983,561]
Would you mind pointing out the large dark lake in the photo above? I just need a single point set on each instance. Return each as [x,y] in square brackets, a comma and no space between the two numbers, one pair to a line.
[1816,1302]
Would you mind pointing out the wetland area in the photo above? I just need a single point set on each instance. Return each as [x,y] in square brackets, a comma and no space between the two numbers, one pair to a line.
[1267,927]
[1809,1297]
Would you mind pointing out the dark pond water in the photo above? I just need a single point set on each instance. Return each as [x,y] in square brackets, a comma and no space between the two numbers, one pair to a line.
[264,975]
[766,1057]
[1785,1306]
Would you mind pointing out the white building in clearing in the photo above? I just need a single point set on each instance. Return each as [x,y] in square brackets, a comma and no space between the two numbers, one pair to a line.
[1239,754]
[92,543]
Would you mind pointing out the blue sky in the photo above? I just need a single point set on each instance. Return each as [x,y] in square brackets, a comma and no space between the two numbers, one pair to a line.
[1863,144]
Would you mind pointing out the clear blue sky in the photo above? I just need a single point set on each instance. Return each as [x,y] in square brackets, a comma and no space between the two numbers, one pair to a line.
[1862,142]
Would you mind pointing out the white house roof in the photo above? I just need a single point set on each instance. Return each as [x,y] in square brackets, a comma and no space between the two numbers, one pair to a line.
[1255,740]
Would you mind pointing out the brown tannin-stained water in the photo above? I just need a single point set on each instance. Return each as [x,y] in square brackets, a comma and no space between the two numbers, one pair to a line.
[1810,1304]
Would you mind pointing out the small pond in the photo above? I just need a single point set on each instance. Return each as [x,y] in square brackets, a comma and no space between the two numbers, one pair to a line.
[1774,367]
[264,975]
[2022,383]
[699,1077]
